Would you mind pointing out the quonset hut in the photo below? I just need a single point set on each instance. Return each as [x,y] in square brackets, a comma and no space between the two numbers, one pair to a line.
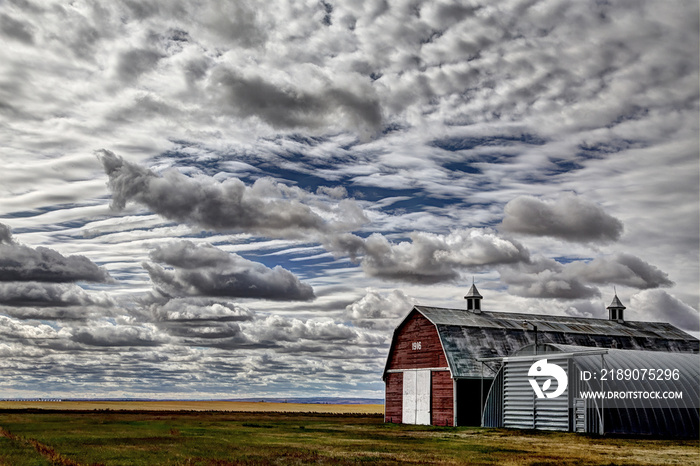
[637,377]
[442,362]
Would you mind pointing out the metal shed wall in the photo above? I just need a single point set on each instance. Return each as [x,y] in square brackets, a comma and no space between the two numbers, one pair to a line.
[512,403]
[493,409]
[522,409]
[677,417]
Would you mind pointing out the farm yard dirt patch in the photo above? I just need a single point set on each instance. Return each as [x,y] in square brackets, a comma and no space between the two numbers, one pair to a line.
[206,438]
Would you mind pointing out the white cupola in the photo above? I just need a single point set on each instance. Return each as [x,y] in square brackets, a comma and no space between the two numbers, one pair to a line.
[616,310]
[473,300]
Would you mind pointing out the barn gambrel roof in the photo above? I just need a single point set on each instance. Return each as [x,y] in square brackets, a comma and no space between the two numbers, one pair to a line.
[466,335]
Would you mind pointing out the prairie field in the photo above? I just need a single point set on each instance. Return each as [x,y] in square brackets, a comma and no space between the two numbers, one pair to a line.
[215,438]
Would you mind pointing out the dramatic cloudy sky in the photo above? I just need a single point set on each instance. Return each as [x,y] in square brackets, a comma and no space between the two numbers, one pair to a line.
[209,199]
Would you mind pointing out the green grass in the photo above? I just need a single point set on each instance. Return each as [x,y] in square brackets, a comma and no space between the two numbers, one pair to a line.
[17,453]
[214,438]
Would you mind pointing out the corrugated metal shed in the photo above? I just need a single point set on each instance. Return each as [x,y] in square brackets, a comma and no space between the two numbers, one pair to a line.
[523,410]
[466,336]
[687,367]
[511,402]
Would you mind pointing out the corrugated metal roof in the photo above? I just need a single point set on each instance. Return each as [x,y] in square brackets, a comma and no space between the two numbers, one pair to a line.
[552,323]
[466,336]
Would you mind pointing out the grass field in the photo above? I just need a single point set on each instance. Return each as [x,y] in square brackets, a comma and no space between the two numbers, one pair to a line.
[74,438]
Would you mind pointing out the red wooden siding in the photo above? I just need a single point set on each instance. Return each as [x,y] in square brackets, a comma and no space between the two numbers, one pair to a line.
[417,329]
[405,354]
[442,410]
[394,397]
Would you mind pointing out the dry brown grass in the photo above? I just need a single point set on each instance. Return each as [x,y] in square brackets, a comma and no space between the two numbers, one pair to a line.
[574,449]
[225,406]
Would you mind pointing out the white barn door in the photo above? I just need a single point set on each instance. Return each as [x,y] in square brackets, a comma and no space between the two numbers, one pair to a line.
[423,397]
[409,397]
[416,397]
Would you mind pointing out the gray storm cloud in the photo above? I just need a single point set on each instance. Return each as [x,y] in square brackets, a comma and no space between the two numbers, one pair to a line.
[429,257]
[266,207]
[208,322]
[220,274]
[23,263]
[5,234]
[570,218]
[202,318]
[116,336]
[38,283]
[547,278]
[133,63]
[16,29]
[64,312]
[208,333]
[38,294]
[199,310]
[293,108]
[621,269]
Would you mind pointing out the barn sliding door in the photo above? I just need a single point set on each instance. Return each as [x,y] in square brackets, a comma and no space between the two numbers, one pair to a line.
[416,397]
[409,397]
[423,397]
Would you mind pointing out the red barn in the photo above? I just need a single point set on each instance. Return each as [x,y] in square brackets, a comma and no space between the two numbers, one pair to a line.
[434,373]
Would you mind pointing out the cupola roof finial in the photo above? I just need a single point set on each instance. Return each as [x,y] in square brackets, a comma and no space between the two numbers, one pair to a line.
[473,292]
[616,303]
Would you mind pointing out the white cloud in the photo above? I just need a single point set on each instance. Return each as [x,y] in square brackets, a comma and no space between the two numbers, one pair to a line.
[660,306]
[434,116]
[380,311]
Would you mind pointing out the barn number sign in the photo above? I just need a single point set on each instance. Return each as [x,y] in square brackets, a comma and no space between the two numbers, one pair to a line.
[415,345]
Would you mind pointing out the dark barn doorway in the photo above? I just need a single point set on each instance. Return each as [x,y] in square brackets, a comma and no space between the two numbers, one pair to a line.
[470,402]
